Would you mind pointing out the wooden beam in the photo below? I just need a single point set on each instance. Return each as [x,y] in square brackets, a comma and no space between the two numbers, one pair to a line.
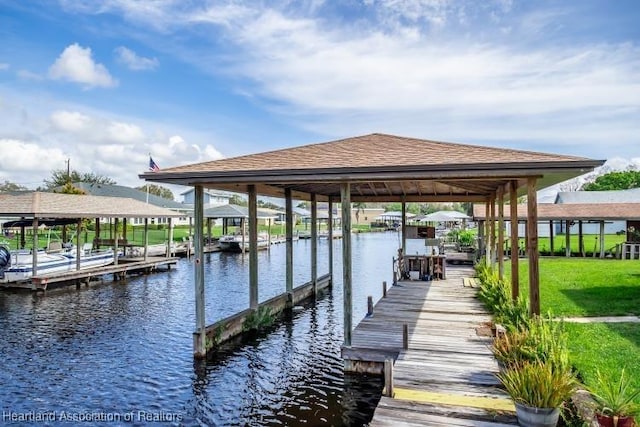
[289,241]
[417,184]
[515,245]
[532,245]
[253,247]
[551,237]
[373,188]
[199,337]
[424,198]
[345,199]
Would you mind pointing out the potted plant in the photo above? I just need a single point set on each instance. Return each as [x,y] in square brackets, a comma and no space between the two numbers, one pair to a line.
[616,400]
[539,389]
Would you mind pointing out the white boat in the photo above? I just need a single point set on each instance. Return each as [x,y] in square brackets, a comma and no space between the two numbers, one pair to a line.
[17,266]
[234,242]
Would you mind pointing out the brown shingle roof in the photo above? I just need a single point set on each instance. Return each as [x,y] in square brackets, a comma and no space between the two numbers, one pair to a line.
[55,205]
[380,168]
[574,211]
[374,150]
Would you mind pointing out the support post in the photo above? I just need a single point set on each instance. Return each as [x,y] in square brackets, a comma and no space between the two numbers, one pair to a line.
[314,243]
[567,239]
[170,241]
[34,251]
[515,245]
[253,247]
[384,289]
[115,242]
[388,377]
[208,230]
[500,243]
[369,306]
[145,238]
[551,237]
[403,226]
[487,234]
[78,248]
[580,239]
[492,230]
[330,237]
[200,335]
[602,239]
[532,245]
[345,200]
[289,241]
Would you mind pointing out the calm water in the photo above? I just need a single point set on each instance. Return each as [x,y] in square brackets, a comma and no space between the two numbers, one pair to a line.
[123,351]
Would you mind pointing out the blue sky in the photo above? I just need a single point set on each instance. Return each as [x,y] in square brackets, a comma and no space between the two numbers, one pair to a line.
[107,82]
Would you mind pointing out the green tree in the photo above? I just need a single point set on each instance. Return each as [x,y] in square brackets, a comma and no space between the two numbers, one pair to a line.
[614,181]
[238,200]
[60,177]
[157,190]
[69,188]
[11,186]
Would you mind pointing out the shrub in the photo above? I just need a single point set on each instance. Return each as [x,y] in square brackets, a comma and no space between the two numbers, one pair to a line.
[539,384]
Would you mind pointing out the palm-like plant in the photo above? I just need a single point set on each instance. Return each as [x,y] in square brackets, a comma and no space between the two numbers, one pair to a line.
[615,397]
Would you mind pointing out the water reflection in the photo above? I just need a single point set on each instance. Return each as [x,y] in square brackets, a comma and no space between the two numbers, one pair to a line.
[121,347]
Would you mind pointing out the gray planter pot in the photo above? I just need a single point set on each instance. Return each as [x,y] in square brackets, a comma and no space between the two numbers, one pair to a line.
[529,416]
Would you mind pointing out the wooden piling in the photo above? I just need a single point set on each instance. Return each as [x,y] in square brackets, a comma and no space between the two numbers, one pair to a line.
[253,247]
[532,245]
[345,199]
[369,305]
[384,289]
[388,377]
[199,336]
[314,241]
[405,336]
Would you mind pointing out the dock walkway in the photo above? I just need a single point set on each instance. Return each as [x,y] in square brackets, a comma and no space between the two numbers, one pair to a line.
[447,374]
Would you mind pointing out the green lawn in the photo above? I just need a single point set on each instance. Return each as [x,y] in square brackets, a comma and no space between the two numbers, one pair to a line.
[586,287]
[607,347]
[594,287]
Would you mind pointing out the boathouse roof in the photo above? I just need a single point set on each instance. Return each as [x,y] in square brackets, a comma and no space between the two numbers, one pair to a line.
[234,211]
[380,168]
[112,190]
[574,211]
[57,205]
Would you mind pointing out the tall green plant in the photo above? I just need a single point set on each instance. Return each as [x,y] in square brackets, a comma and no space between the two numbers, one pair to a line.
[539,384]
[615,397]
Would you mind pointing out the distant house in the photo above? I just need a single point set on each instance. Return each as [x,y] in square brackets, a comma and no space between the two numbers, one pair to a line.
[211,198]
[598,197]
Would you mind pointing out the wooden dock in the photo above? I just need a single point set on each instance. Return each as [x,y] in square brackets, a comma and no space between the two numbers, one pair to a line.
[126,266]
[446,376]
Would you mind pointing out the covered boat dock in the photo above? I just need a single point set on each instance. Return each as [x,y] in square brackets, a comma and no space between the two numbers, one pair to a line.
[36,208]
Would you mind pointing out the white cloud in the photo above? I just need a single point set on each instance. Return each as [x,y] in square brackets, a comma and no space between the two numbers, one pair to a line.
[4,66]
[134,61]
[23,156]
[70,121]
[125,133]
[76,64]
[29,75]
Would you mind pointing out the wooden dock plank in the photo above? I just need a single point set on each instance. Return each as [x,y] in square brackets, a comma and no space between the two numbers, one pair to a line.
[448,367]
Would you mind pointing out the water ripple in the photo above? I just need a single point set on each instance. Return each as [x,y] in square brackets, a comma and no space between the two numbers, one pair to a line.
[126,347]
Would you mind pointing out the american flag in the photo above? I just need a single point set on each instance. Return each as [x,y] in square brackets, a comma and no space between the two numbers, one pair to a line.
[152,165]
